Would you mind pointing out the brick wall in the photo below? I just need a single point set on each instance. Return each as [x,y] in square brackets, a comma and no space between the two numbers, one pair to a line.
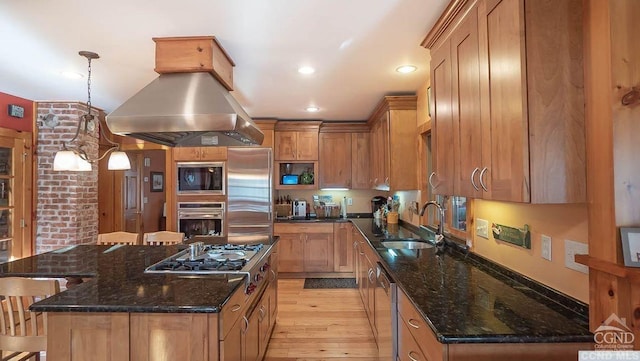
[67,206]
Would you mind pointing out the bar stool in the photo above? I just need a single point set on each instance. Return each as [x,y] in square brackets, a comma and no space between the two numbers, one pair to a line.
[23,333]
[162,238]
[115,238]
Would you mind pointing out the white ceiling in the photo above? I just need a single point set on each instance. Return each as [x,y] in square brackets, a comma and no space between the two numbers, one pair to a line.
[355,46]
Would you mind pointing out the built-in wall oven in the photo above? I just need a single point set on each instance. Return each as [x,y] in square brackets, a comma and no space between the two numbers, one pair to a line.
[201,178]
[200,220]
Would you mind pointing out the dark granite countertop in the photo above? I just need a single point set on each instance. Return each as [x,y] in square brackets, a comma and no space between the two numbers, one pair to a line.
[117,282]
[466,301]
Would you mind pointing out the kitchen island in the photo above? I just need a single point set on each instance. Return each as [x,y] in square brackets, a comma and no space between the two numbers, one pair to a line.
[122,313]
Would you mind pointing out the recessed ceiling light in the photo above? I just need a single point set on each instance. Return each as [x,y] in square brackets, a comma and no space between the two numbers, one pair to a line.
[306,70]
[312,109]
[406,69]
[71,75]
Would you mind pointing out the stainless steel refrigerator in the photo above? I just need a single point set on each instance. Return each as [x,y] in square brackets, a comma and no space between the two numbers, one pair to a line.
[249,194]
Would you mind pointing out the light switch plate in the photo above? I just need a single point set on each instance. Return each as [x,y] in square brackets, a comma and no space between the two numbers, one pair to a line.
[349,201]
[571,248]
[546,247]
[482,228]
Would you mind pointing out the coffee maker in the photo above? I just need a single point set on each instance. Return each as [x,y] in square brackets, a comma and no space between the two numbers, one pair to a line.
[377,202]
[299,209]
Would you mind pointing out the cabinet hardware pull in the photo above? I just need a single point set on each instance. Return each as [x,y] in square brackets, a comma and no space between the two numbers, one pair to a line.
[431,183]
[413,324]
[274,274]
[473,174]
[386,181]
[484,187]
[246,324]
[411,357]
[236,307]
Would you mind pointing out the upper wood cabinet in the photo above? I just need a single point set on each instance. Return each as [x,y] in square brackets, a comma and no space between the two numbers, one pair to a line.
[360,161]
[296,140]
[507,80]
[344,156]
[199,153]
[267,126]
[335,160]
[394,144]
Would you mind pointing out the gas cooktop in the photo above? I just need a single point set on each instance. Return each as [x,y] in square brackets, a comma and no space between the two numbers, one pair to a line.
[212,259]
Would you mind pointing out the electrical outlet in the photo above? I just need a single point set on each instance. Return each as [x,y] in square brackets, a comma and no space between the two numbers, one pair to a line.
[546,247]
[482,228]
[349,201]
[571,248]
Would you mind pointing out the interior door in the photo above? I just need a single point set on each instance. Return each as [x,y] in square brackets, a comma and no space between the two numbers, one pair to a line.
[15,239]
[132,194]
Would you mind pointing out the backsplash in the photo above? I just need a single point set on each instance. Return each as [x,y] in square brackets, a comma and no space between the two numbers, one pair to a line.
[361,199]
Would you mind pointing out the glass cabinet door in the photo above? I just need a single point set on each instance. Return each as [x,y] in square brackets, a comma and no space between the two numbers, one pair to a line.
[6,200]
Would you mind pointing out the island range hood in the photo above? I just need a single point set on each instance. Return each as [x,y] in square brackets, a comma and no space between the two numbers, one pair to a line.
[187,105]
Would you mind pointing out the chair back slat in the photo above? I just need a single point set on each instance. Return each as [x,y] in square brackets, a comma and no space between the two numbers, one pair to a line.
[21,329]
[115,238]
[163,238]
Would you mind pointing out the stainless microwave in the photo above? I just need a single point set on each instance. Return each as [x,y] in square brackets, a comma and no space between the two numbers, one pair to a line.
[201,178]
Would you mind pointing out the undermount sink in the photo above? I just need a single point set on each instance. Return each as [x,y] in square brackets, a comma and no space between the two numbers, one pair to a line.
[407,243]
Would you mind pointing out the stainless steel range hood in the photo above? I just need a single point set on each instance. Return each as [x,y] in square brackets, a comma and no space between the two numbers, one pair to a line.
[185,109]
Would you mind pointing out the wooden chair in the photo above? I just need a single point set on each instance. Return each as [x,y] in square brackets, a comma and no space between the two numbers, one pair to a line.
[114,238]
[162,238]
[23,334]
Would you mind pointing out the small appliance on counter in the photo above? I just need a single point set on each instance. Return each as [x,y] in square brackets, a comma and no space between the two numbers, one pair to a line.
[299,209]
[378,202]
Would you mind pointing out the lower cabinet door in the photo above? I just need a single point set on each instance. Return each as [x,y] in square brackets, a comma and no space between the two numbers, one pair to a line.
[252,336]
[230,347]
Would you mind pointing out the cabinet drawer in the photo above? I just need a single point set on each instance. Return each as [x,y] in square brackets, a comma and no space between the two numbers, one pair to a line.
[303,228]
[231,311]
[417,326]
[408,349]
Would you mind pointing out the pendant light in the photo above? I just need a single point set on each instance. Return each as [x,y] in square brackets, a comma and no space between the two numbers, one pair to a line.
[74,156]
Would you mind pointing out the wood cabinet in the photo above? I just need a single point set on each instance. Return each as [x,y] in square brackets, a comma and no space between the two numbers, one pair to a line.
[71,335]
[394,144]
[199,153]
[296,140]
[344,156]
[414,335]
[335,160]
[150,332]
[367,278]
[249,337]
[507,79]
[135,336]
[194,54]
[441,179]
[291,250]
[360,160]
[305,248]
[342,247]
[267,126]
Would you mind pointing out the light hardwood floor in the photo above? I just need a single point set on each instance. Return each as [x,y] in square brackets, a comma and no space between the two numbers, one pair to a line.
[320,324]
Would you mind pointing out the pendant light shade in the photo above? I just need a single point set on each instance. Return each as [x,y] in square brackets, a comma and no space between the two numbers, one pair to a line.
[66,160]
[119,161]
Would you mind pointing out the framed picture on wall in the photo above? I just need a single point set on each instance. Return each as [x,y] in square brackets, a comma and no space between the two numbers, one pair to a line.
[157,181]
[630,246]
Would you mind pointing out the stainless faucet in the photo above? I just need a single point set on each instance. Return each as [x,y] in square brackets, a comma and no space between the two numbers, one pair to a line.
[441,213]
